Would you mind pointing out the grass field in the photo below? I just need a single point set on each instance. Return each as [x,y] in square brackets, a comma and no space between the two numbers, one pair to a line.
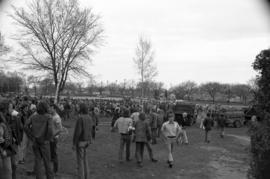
[222,158]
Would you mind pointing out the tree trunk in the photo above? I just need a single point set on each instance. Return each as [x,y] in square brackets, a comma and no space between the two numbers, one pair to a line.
[57,93]
[35,90]
[213,99]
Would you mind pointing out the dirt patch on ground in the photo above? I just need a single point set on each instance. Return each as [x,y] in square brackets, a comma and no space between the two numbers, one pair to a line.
[225,164]
[214,149]
[245,140]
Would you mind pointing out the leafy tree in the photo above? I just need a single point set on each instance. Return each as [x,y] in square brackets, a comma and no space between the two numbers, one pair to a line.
[260,132]
[10,82]
[57,37]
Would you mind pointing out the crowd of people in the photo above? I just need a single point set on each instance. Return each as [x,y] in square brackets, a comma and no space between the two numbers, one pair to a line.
[26,121]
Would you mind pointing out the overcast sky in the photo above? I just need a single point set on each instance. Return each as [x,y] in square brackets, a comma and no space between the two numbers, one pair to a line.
[209,40]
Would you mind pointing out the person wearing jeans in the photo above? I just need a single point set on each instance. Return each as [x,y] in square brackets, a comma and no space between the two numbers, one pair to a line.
[82,137]
[124,125]
[171,132]
[125,140]
[42,152]
[142,135]
[39,129]
[82,162]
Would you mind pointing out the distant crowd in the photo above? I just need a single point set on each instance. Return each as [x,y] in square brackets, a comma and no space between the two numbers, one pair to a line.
[37,123]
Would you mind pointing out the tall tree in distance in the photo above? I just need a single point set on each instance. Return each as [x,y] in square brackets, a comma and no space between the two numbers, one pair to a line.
[212,89]
[58,38]
[144,61]
[3,48]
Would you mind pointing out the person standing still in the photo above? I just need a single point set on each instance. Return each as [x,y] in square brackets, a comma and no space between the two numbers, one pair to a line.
[5,144]
[153,117]
[124,124]
[39,129]
[171,133]
[57,129]
[82,137]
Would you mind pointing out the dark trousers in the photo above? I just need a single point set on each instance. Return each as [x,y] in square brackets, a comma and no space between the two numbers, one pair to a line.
[158,130]
[54,156]
[42,152]
[14,166]
[66,114]
[125,140]
[94,132]
[207,136]
[154,135]
[149,149]
[139,151]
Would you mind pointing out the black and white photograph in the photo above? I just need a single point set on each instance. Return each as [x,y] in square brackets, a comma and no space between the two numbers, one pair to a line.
[134,89]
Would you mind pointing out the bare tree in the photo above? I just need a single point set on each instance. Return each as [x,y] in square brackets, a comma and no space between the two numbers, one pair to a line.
[33,81]
[212,89]
[243,91]
[58,38]
[144,61]
[4,49]
[184,90]
[227,91]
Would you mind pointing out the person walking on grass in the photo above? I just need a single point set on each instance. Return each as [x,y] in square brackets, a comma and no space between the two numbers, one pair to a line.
[221,124]
[82,137]
[124,126]
[208,123]
[153,120]
[142,136]
[183,122]
[171,132]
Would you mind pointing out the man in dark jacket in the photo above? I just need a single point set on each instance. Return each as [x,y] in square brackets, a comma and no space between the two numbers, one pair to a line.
[208,123]
[153,117]
[221,124]
[39,130]
[82,137]
[16,127]
[143,134]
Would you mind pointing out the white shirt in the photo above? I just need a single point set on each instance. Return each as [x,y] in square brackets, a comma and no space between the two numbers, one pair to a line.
[135,116]
[123,124]
[170,129]
[57,124]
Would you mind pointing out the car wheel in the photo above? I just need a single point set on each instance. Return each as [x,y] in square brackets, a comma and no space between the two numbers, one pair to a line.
[237,124]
